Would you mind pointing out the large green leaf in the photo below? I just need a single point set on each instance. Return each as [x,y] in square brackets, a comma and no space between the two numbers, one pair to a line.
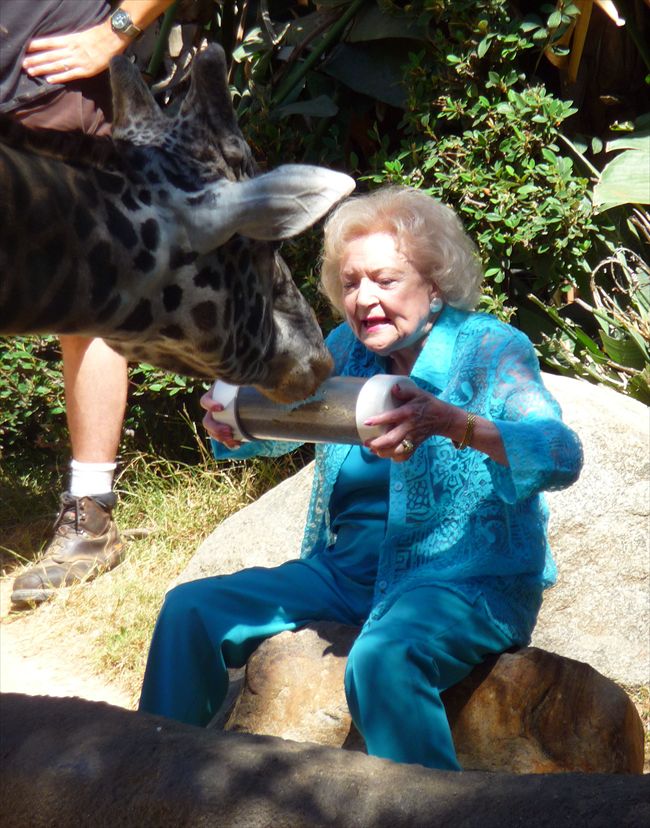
[374,69]
[625,351]
[626,179]
[321,107]
[372,23]
[635,140]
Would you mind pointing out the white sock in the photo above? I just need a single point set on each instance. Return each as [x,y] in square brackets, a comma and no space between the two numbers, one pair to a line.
[91,478]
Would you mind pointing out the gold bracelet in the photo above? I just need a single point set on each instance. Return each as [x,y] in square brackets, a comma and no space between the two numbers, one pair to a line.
[469,432]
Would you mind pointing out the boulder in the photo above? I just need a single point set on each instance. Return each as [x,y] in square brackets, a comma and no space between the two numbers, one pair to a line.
[293,687]
[524,712]
[599,611]
[70,762]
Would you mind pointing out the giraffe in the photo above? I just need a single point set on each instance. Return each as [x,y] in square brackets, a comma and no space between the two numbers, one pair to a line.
[163,239]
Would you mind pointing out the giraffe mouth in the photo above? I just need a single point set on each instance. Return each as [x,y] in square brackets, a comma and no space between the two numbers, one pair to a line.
[301,382]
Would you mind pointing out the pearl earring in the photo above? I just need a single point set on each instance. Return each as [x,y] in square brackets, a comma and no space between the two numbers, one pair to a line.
[436,304]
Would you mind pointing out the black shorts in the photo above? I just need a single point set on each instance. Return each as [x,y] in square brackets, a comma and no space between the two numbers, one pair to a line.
[83,105]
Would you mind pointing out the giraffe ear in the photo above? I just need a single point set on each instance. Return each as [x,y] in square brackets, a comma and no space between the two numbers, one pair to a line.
[285,202]
[134,106]
[274,206]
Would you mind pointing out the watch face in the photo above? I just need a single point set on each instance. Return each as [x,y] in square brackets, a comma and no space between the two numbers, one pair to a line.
[120,20]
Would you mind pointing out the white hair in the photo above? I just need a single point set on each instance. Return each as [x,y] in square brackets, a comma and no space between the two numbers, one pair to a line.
[428,233]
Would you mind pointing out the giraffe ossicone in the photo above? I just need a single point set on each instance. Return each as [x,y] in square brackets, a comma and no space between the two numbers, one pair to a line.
[163,239]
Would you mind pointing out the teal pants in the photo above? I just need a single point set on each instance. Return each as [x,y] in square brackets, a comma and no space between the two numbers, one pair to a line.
[428,640]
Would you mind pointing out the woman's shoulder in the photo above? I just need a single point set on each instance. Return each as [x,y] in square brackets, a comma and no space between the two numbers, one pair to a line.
[489,328]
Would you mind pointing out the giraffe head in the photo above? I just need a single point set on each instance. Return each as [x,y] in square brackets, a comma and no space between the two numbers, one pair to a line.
[163,240]
[232,219]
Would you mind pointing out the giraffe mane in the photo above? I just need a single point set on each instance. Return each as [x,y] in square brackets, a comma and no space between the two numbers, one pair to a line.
[75,148]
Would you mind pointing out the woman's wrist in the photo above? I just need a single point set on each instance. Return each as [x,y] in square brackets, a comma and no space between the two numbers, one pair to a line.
[456,425]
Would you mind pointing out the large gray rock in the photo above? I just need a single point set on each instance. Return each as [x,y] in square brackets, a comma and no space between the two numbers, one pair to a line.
[524,712]
[71,763]
[599,612]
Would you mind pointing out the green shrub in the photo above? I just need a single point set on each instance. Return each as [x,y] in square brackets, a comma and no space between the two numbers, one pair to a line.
[161,410]
[32,413]
[440,94]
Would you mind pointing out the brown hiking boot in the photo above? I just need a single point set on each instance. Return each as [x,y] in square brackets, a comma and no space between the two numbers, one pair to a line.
[85,544]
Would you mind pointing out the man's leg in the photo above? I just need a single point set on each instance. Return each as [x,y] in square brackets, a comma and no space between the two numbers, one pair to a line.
[95,397]
[85,542]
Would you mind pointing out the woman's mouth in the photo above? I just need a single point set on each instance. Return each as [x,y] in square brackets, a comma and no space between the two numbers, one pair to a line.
[374,323]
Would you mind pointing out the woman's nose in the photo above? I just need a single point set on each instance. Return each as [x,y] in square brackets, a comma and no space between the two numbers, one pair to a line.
[366,293]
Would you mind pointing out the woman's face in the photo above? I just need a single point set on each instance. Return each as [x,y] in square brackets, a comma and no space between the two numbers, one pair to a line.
[386,300]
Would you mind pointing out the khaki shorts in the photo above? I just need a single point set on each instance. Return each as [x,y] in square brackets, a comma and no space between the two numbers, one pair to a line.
[83,105]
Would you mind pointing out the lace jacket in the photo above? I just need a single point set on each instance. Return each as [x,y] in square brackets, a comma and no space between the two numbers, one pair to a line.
[457,518]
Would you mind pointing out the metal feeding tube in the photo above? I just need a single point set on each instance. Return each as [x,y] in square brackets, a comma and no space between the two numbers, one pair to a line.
[334,414]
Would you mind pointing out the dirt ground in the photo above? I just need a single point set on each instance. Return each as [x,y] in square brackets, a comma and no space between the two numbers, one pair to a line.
[34,660]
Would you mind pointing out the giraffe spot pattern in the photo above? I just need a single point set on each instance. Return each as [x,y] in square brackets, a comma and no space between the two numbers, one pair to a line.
[180,180]
[208,277]
[101,206]
[139,319]
[144,261]
[103,273]
[109,182]
[180,258]
[110,308]
[172,297]
[40,266]
[119,226]
[129,201]
[89,192]
[150,234]
[173,332]
[57,308]
[82,222]
[254,321]
[204,315]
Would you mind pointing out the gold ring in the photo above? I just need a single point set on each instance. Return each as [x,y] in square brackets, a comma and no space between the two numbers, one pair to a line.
[407,446]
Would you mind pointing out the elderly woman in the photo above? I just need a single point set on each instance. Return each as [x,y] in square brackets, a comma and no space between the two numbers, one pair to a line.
[432,536]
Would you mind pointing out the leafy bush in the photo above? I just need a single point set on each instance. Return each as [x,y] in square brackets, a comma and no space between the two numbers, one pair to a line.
[446,95]
[32,413]
[33,426]
[475,126]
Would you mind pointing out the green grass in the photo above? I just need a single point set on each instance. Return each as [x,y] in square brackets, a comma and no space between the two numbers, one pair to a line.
[177,505]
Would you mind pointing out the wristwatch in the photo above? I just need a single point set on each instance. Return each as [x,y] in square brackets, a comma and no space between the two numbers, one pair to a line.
[121,23]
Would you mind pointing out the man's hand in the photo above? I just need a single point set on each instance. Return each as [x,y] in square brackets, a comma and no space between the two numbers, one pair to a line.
[65,58]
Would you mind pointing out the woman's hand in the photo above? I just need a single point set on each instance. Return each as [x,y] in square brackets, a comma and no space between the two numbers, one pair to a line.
[65,58]
[220,432]
[420,416]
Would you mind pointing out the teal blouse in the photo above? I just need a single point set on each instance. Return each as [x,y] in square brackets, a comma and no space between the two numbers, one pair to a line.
[457,518]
